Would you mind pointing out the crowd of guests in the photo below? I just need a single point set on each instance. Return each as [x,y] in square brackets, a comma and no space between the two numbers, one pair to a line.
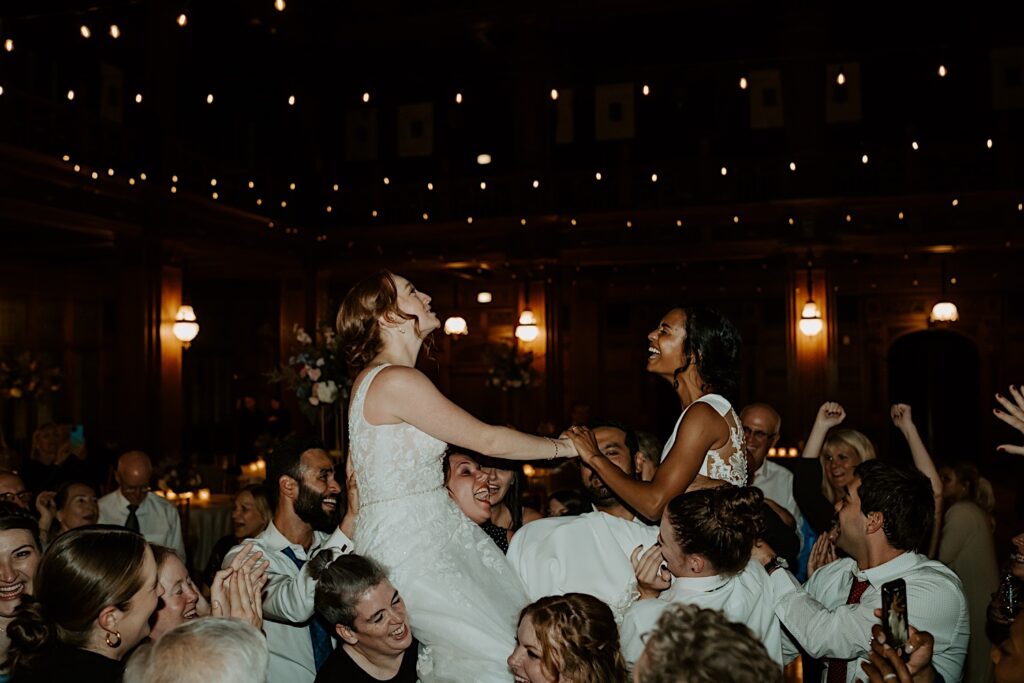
[730,581]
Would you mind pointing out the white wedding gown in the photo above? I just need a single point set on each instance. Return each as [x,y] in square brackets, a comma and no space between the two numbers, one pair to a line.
[462,596]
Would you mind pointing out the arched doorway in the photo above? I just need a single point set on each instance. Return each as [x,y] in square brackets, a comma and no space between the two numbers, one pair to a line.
[936,372]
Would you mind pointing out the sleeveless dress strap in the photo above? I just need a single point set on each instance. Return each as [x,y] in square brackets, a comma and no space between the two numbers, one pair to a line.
[356,409]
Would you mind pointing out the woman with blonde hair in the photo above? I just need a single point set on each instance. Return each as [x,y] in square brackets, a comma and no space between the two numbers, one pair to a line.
[569,638]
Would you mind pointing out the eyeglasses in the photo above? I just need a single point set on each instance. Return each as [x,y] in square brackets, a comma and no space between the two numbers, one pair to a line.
[136,489]
[10,497]
[757,434]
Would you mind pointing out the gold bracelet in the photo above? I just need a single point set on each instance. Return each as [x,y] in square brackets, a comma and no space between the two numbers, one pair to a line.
[555,442]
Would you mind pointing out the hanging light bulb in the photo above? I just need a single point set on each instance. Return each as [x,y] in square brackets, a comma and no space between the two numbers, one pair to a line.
[182,20]
[185,326]
[944,310]
[279,5]
[527,329]
[115,31]
[811,323]
[484,297]
[456,326]
[84,30]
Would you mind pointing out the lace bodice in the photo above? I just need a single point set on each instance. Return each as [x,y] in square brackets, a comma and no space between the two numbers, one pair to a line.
[391,461]
[728,463]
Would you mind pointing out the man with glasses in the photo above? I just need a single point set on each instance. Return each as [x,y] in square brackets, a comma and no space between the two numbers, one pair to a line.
[132,506]
[12,490]
[761,424]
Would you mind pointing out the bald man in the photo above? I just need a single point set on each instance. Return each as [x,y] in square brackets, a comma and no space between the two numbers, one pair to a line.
[134,507]
[761,425]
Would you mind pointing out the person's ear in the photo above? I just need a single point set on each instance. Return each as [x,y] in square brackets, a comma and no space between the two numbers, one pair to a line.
[875,522]
[346,634]
[288,487]
[697,563]
[109,618]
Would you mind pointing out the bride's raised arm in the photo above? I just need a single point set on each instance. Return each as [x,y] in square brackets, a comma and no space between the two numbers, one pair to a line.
[404,394]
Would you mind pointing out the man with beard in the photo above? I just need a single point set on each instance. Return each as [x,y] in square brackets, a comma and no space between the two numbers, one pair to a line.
[589,553]
[307,520]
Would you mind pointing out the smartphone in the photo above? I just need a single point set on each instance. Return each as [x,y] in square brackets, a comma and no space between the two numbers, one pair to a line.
[77,436]
[895,623]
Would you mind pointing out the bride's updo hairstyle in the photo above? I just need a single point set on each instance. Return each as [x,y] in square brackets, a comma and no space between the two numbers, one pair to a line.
[713,345]
[359,317]
[721,524]
[82,572]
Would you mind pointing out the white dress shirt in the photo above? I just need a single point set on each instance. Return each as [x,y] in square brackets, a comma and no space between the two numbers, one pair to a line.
[158,519]
[288,600]
[746,598]
[776,483]
[820,620]
[588,553]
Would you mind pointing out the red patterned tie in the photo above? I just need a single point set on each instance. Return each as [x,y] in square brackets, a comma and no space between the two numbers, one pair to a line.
[837,667]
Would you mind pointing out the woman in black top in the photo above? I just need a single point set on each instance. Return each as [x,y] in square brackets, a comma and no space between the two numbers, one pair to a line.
[359,604]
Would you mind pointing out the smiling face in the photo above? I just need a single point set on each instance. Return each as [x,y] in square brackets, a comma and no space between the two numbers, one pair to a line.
[838,462]
[246,518]
[761,429]
[525,662]
[612,443]
[415,303]
[133,624]
[381,626]
[665,344]
[180,598]
[468,486]
[81,508]
[317,502]
[19,558]
[498,483]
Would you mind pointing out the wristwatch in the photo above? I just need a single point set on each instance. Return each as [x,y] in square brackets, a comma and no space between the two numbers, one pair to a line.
[776,562]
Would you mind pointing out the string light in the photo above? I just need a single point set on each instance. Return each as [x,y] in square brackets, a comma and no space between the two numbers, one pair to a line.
[291,100]
[724,171]
[988,143]
[138,98]
[483,159]
[115,32]
[9,45]
[279,5]
[259,202]
[679,223]
[900,215]
[142,177]
[522,221]
[426,216]
[95,175]
[573,222]
[864,159]
[77,168]
[291,186]
[329,208]
[956,202]
[110,172]
[213,182]
[387,181]
[252,185]
[735,219]
[536,184]
[554,92]
[458,98]
[840,78]
[849,218]
[597,176]
[374,213]
[284,204]
[791,221]
[174,189]
[215,195]
[792,166]
[629,224]
[71,95]
[654,177]
[483,185]
[66,158]
[84,30]
[366,97]
[182,20]
[646,90]
[1,90]
[174,178]
[209,98]
[335,187]
[469,220]
[131,181]
[942,71]
[743,82]
[915,146]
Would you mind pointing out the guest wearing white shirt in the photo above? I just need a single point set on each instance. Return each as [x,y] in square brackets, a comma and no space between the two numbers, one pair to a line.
[307,508]
[134,507]
[703,558]
[589,553]
[884,519]
[761,425]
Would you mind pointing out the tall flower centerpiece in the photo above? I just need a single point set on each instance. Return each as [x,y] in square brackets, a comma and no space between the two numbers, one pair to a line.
[26,380]
[316,372]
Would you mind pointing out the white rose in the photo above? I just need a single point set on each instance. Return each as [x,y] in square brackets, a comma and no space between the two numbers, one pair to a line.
[327,391]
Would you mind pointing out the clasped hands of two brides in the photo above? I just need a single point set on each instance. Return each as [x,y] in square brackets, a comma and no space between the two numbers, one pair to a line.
[583,441]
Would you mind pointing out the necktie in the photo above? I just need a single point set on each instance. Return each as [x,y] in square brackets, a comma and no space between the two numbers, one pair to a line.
[132,523]
[837,667]
[318,633]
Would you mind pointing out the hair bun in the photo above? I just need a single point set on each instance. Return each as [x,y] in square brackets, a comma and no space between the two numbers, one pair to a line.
[29,632]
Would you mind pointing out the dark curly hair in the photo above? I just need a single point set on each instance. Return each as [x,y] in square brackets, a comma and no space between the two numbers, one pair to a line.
[713,345]
[721,524]
[579,639]
[904,497]
[359,315]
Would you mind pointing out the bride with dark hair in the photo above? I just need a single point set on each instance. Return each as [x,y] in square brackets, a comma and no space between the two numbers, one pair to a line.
[463,597]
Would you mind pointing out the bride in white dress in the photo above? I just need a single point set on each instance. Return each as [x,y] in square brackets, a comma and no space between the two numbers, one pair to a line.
[696,349]
[462,596]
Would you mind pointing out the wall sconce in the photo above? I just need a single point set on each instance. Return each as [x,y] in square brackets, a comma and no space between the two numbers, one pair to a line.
[527,329]
[811,323]
[185,326]
[944,311]
[456,326]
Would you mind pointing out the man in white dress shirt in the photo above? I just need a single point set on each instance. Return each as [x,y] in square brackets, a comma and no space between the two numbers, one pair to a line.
[703,558]
[307,520]
[885,517]
[132,505]
[588,553]
[761,425]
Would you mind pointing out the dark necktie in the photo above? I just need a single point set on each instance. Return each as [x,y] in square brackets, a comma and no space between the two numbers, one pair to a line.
[132,523]
[318,633]
[837,667]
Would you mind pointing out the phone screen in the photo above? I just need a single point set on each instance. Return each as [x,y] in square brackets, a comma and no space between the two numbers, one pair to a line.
[77,436]
[895,623]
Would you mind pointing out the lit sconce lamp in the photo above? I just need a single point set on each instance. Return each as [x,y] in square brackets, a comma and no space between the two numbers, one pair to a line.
[527,329]
[529,470]
[185,326]
[456,326]
[484,297]
[811,323]
[944,311]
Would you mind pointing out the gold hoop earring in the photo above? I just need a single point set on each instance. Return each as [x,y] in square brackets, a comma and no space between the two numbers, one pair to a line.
[115,644]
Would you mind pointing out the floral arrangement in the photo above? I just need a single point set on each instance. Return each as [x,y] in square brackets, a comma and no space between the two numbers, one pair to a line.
[316,372]
[28,376]
[509,369]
